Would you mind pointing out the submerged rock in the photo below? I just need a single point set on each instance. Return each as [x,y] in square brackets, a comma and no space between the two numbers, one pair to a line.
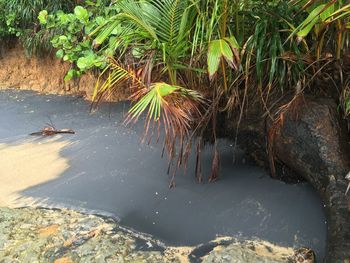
[64,236]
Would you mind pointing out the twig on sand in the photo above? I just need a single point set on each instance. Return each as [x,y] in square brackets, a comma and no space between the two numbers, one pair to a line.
[50,130]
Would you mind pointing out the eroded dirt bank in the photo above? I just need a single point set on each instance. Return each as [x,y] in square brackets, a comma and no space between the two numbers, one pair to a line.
[44,75]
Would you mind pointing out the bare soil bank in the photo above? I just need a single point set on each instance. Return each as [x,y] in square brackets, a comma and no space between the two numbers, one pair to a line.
[44,74]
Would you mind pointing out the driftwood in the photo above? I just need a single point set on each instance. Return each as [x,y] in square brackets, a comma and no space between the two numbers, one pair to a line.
[51,131]
[315,144]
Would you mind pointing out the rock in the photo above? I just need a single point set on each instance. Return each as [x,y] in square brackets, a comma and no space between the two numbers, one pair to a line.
[49,230]
[312,140]
[84,238]
[63,260]
[65,236]
[304,255]
[249,251]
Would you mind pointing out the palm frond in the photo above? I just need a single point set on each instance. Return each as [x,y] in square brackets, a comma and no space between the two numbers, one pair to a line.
[160,97]
[226,48]
[117,76]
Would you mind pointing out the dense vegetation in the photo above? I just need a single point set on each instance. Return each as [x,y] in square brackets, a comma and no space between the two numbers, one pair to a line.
[187,60]
[19,19]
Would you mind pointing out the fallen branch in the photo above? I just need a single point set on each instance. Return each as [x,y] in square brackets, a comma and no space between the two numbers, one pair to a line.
[51,131]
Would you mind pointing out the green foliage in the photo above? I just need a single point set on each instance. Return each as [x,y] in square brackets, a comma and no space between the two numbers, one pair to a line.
[345,99]
[18,18]
[222,48]
[26,11]
[159,29]
[274,55]
[327,23]
[3,26]
[7,22]
[347,106]
[71,39]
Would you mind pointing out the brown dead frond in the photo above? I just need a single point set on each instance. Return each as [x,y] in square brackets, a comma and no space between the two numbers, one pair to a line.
[215,166]
[288,110]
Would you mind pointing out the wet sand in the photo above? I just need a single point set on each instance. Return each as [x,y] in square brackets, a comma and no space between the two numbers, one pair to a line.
[27,165]
[103,169]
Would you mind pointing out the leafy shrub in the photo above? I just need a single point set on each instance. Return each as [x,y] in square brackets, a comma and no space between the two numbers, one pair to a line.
[19,18]
[71,39]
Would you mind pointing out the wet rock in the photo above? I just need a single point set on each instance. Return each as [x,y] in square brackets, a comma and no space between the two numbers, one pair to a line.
[312,140]
[62,236]
[36,235]
[235,251]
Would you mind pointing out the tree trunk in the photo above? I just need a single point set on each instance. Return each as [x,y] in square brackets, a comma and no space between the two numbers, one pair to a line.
[314,143]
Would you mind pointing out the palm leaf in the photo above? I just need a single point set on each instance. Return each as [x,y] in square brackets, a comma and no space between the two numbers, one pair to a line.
[219,49]
[117,75]
[156,98]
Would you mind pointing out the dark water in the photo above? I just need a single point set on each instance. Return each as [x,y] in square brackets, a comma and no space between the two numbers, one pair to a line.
[110,172]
